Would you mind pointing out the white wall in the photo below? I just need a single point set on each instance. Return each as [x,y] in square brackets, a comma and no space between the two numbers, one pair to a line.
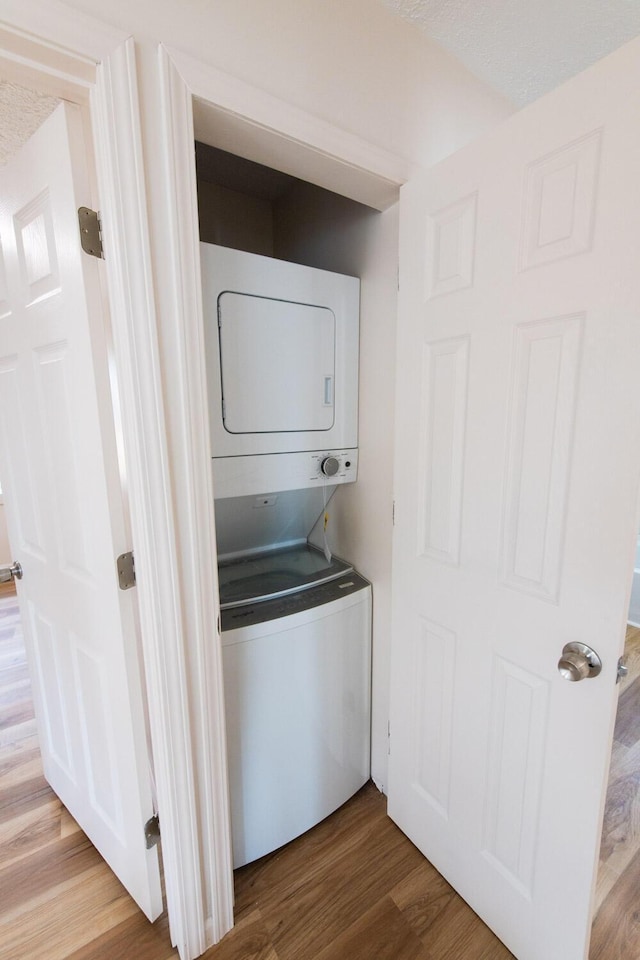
[350,62]
[5,549]
[634,603]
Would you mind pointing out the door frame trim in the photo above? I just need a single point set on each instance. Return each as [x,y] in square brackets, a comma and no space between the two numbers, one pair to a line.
[249,122]
[309,148]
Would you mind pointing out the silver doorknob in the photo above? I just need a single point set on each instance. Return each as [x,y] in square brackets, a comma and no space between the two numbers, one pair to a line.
[579,662]
[14,572]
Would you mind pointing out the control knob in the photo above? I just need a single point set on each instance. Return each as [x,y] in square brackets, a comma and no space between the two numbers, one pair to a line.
[330,466]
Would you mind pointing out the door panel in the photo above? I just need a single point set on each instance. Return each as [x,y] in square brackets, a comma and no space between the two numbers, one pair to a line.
[517,468]
[65,516]
[546,366]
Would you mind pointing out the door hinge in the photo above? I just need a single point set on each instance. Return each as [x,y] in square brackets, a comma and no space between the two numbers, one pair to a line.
[389,738]
[90,232]
[152,831]
[126,571]
[393,514]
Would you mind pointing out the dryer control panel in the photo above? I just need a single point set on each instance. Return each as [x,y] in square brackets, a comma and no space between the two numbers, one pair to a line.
[243,476]
[336,467]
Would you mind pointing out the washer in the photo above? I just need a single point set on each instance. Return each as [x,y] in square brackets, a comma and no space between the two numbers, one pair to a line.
[297,676]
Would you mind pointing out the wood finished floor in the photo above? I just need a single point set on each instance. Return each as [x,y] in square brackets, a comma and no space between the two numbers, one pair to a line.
[354,888]
[616,928]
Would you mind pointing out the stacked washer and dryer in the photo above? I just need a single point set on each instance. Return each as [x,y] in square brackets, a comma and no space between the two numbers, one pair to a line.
[282,361]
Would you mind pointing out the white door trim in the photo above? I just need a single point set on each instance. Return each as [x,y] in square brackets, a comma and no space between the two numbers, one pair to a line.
[186,397]
[176,649]
[42,41]
[251,122]
[182,333]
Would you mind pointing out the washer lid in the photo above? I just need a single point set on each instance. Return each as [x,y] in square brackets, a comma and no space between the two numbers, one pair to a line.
[276,573]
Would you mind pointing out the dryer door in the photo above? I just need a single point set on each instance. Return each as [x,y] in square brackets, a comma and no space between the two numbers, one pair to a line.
[282,361]
[277,364]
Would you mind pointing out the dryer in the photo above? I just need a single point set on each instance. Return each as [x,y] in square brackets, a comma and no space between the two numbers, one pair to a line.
[282,361]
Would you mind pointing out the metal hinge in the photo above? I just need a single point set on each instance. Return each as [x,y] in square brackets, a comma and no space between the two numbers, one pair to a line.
[90,232]
[126,571]
[152,831]
[393,514]
[389,738]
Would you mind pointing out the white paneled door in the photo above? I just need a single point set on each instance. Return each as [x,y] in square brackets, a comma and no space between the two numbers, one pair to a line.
[59,469]
[518,459]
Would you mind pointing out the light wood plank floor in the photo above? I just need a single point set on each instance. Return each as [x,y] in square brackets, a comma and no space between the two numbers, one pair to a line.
[616,928]
[354,888]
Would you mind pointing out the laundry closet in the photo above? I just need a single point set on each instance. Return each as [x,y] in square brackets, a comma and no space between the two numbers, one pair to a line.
[282,330]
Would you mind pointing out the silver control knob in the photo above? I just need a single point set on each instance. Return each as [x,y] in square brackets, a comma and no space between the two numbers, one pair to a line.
[330,466]
[579,662]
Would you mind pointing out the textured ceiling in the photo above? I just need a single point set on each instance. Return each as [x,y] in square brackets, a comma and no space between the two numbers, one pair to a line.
[21,113]
[524,48]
